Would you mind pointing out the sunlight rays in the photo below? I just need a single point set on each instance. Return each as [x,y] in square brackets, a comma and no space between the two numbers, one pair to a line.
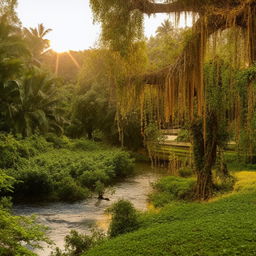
[74,60]
[57,64]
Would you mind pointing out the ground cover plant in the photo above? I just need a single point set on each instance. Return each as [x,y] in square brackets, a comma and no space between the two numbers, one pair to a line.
[188,228]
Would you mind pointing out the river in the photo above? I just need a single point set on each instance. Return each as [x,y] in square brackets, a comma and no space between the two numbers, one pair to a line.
[84,215]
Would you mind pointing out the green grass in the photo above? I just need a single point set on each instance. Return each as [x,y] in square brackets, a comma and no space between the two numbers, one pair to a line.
[226,226]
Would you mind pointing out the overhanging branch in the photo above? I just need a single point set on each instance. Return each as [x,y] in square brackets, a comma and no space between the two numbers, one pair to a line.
[178,6]
[214,24]
[148,7]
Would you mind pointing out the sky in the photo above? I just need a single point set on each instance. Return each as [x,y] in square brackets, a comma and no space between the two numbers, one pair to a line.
[71,22]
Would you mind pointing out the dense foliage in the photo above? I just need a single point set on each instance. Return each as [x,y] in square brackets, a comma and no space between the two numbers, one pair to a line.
[60,169]
[118,22]
[110,94]
[164,48]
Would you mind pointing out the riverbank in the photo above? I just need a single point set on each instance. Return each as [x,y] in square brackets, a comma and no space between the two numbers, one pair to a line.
[225,226]
[82,216]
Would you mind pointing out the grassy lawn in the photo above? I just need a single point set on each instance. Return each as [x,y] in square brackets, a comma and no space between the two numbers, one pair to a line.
[224,226]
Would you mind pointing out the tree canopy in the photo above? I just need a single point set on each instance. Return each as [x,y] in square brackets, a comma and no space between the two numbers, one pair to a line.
[182,90]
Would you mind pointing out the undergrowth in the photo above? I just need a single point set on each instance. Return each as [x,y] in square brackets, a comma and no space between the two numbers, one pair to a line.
[55,168]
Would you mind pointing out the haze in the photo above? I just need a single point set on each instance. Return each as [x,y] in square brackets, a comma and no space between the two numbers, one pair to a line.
[71,22]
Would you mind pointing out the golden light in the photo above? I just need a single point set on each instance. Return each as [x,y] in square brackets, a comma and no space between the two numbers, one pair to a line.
[59,46]
[59,53]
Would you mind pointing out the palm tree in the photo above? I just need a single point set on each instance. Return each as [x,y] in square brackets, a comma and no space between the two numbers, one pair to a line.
[10,101]
[38,109]
[40,31]
[12,50]
[165,28]
[38,45]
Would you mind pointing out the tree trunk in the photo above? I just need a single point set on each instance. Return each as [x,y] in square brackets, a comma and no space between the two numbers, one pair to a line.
[204,185]
[205,151]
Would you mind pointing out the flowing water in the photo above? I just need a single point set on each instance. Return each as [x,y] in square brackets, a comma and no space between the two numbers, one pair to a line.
[84,215]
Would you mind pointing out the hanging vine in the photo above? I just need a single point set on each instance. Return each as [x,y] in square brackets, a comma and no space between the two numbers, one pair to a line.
[181,89]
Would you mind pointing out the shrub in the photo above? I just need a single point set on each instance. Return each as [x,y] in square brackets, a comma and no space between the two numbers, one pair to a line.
[6,182]
[124,218]
[87,145]
[123,164]
[89,178]
[57,141]
[36,144]
[33,184]
[76,244]
[80,167]
[9,151]
[225,185]
[32,146]
[160,199]
[59,173]
[18,233]
[176,187]
[100,189]
[140,156]
[185,172]
[13,150]
[68,190]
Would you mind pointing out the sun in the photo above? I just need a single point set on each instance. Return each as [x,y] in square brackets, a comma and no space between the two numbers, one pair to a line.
[59,46]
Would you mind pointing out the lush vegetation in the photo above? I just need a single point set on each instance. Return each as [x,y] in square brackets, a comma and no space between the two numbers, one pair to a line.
[42,107]
[17,233]
[51,168]
[222,227]
[172,188]
[54,107]
[76,244]
[60,169]
[124,218]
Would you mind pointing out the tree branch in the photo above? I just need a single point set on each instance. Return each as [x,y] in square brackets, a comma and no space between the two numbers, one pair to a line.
[178,6]
[148,7]
[215,23]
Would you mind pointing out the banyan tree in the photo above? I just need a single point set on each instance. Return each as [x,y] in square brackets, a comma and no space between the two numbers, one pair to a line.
[181,87]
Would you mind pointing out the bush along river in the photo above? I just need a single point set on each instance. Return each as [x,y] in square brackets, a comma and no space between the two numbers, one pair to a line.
[85,215]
